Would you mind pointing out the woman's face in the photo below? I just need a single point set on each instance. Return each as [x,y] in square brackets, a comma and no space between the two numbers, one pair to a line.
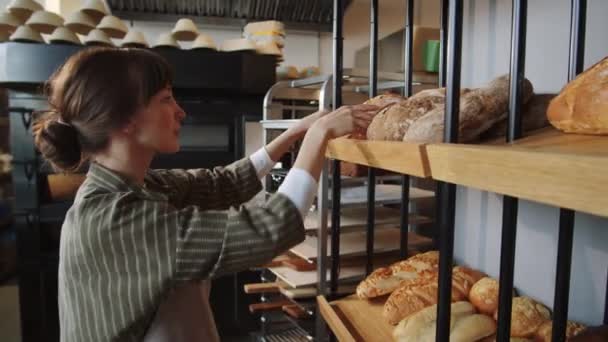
[157,125]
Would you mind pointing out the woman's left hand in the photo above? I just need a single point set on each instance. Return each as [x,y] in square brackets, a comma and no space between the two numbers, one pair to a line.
[304,124]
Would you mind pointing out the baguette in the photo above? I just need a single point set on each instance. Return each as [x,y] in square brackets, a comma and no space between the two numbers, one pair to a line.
[420,327]
[413,271]
[408,300]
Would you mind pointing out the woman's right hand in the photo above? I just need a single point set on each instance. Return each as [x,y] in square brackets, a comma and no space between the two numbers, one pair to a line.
[346,120]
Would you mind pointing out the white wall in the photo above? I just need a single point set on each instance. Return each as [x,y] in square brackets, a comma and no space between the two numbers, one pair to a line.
[486,45]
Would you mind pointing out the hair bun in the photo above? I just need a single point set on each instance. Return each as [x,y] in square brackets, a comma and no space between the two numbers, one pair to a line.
[58,142]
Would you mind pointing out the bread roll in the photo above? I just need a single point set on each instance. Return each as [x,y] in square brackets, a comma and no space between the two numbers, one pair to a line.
[544,332]
[472,328]
[527,315]
[582,105]
[421,326]
[479,110]
[484,295]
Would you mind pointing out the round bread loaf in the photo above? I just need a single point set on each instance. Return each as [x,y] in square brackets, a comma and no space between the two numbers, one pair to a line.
[484,295]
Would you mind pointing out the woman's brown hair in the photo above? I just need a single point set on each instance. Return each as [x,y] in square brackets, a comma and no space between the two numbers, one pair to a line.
[96,91]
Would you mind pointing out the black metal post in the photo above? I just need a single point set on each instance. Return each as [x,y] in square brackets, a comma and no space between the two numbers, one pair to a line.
[448,191]
[371,175]
[337,102]
[562,277]
[578,22]
[510,204]
[566,217]
[404,216]
[443,39]
[606,302]
[407,92]
[408,43]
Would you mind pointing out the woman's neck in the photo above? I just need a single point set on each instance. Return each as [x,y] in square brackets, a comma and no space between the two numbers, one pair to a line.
[130,160]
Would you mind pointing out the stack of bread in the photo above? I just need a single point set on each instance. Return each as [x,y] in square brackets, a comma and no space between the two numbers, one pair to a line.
[268,36]
[420,118]
[412,289]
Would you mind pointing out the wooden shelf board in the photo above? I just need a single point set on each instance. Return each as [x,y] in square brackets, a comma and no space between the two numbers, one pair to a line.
[563,170]
[401,157]
[353,319]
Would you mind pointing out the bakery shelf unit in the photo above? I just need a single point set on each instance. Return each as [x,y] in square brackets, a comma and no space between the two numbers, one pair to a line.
[284,104]
[563,170]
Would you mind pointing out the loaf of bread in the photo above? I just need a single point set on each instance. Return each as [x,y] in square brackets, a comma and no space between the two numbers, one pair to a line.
[544,332]
[582,105]
[527,315]
[385,99]
[472,328]
[480,109]
[392,122]
[465,325]
[421,326]
[409,299]
[534,116]
[418,269]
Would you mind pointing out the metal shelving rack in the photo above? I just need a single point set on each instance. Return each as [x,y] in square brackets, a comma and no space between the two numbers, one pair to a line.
[450,68]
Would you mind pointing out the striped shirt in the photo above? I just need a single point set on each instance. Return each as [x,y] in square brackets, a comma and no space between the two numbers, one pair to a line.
[124,246]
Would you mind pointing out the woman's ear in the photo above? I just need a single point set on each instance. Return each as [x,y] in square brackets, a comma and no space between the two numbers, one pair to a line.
[129,128]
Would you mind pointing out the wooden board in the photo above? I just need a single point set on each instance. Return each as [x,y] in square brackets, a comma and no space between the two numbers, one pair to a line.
[297,279]
[563,170]
[354,243]
[385,194]
[356,219]
[401,157]
[353,319]
[310,292]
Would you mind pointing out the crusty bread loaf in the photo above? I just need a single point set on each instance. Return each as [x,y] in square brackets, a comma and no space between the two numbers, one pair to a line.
[385,99]
[408,300]
[544,332]
[527,315]
[479,109]
[392,122]
[534,116]
[582,105]
[420,327]
[484,295]
[416,270]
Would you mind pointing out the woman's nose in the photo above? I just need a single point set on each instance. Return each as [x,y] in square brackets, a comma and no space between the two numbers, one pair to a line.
[180,113]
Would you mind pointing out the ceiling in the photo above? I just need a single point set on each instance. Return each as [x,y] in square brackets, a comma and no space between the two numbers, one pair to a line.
[313,14]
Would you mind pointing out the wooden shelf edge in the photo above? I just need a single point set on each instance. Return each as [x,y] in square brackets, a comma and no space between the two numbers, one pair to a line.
[401,157]
[333,321]
[545,174]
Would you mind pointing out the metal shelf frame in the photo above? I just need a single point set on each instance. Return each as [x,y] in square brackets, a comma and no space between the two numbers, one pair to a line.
[449,76]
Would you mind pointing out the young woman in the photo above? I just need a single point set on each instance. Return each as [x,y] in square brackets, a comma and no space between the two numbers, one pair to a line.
[139,246]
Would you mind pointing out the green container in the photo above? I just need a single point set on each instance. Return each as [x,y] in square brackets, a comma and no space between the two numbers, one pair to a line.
[431,56]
